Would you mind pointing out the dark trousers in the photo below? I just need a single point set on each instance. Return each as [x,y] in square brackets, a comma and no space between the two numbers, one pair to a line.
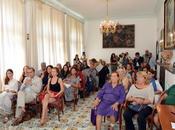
[141,119]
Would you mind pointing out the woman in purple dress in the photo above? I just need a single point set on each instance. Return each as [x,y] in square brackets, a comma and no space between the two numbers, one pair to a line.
[109,97]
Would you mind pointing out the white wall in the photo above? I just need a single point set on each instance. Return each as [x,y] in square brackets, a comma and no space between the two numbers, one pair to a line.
[145,38]
[169,77]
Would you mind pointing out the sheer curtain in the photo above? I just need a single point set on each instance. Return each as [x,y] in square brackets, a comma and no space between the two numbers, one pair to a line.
[47,34]
[74,37]
[12,43]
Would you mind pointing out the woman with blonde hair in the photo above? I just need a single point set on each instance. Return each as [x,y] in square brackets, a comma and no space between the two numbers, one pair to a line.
[140,98]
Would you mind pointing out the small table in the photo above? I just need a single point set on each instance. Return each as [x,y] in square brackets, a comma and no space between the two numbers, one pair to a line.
[165,116]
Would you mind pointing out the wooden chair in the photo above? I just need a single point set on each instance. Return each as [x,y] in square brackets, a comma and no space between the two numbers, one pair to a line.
[150,118]
[59,105]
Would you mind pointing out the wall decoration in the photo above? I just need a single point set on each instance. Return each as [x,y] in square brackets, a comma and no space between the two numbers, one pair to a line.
[124,37]
[169,24]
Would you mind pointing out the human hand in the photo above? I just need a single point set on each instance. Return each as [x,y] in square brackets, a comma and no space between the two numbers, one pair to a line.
[115,106]
[95,103]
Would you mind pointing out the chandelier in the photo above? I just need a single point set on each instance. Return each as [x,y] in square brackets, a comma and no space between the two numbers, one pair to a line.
[108,26]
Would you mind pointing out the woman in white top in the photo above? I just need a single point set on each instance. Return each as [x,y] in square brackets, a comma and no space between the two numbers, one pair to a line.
[140,97]
[10,89]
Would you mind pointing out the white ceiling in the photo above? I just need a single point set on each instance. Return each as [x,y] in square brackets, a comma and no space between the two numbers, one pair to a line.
[96,9]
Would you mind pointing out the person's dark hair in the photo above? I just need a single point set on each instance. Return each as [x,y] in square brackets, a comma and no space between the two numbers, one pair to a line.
[153,72]
[74,67]
[137,54]
[6,81]
[46,73]
[93,60]
[147,66]
[112,56]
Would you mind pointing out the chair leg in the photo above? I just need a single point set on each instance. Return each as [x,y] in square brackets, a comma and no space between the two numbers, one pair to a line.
[58,114]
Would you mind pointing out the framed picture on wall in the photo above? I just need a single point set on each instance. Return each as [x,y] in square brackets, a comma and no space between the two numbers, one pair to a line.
[124,37]
[169,24]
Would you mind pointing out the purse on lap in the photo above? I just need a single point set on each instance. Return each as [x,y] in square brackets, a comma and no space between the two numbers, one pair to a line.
[137,107]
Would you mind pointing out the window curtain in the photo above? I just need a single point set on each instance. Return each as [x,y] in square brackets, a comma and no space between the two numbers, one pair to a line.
[12,37]
[47,34]
[74,33]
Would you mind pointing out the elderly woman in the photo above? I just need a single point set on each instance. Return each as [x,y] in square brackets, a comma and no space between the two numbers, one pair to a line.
[10,89]
[109,97]
[140,96]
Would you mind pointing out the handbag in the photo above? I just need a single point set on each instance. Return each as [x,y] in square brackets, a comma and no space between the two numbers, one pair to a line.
[136,108]
[93,116]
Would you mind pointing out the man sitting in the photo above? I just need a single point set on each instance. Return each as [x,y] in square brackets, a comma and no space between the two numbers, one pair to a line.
[28,92]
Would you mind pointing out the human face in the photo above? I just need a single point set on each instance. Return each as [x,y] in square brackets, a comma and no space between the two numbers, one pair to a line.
[49,70]
[25,69]
[30,73]
[114,78]
[9,74]
[65,68]
[43,66]
[150,75]
[54,72]
[73,71]
[128,67]
[140,79]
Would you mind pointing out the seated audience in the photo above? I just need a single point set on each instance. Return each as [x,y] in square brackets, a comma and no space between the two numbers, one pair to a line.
[85,65]
[83,57]
[46,76]
[55,89]
[146,56]
[24,74]
[108,99]
[103,74]
[152,62]
[76,59]
[72,84]
[59,66]
[131,72]
[28,92]
[140,97]
[64,72]
[113,61]
[155,84]
[42,70]
[124,78]
[91,75]
[10,89]
[137,61]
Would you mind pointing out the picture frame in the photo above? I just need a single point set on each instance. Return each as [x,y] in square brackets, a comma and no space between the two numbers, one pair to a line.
[169,24]
[124,37]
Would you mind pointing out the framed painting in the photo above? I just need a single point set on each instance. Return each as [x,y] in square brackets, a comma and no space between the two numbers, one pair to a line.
[124,37]
[169,24]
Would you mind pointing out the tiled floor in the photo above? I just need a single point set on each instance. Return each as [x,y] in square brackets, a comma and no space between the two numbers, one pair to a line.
[71,120]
